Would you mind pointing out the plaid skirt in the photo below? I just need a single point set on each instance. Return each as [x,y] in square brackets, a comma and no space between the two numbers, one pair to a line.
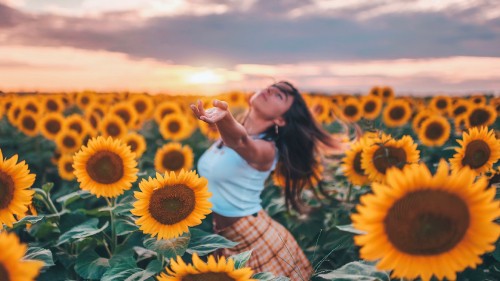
[274,249]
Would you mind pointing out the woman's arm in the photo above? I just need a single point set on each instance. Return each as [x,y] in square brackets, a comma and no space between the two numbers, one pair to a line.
[258,153]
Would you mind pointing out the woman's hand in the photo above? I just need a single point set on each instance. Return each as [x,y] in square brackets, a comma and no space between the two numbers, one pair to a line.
[211,115]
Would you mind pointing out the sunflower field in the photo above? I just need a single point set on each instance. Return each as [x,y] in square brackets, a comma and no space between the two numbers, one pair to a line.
[103,186]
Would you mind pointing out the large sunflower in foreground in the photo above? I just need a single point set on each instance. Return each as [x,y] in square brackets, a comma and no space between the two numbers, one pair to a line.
[175,127]
[105,167]
[385,152]
[351,163]
[214,270]
[419,224]
[174,157]
[435,131]
[12,265]
[397,113]
[479,150]
[168,204]
[15,195]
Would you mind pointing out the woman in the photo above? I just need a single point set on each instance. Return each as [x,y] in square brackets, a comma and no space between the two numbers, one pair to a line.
[278,131]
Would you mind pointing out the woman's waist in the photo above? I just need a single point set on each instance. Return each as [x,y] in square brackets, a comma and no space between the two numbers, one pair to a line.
[221,222]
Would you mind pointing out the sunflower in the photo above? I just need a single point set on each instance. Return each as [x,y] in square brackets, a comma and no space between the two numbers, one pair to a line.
[314,179]
[420,117]
[441,104]
[77,123]
[12,264]
[460,107]
[220,270]
[143,105]
[97,108]
[351,163]
[420,224]
[165,108]
[15,195]
[168,204]
[352,110]
[175,127]
[386,93]
[65,167]
[28,123]
[174,157]
[210,131]
[32,104]
[386,152]
[236,99]
[479,150]
[53,104]
[479,99]
[105,167]
[371,107]
[435,131]
[68,141]
[113,126]
[93,120]
[375,91]
[320,109]
[51,124]
[84,99]
[481,115]
[14,112]
[397,113]
[136,142]
[126,112]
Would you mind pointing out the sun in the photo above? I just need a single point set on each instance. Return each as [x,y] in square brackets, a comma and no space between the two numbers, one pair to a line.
[205,77]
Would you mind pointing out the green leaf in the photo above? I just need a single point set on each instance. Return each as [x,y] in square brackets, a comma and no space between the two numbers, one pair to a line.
[264,276]
[80,231]
[122,266]
[204,243]
[496,253]
[90,265]
[357,270]
[125,226]
[169,248]
[28,219]
[41,254]
[73,196]
[153,268]
[350,228]
[241,259]
[47,187]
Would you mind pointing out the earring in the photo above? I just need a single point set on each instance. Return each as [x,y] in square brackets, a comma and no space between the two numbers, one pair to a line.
[276,128]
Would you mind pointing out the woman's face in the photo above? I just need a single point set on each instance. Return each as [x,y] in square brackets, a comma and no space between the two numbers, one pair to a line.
[271,102]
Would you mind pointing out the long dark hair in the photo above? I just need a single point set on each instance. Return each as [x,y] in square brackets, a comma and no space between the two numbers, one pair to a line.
[297,142]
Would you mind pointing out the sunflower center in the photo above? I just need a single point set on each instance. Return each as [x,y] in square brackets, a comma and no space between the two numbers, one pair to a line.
[478,117]
[105,167]
[208,276]
[68,167]
[386,93]
[140,106]
[427,222]
[172,204]
[31,107]
[124,114]
[113,129]
[441,104]
[76,127]
[369,107]
[397,113]
[174,126]
[53,126]
[386,157]
[357,164]
[459,110]
[173,160]
[351,110]
[29,123]
[85,100]
[318,109]
[52,105]
[133,145]
[434,131]
[477,153]
[69,142]
[6,191]
[166,111]
[4,274]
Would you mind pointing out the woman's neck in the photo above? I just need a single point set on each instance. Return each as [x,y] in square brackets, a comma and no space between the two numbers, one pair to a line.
[256,125]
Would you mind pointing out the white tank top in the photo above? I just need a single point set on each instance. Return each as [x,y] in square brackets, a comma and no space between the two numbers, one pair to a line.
[235,185]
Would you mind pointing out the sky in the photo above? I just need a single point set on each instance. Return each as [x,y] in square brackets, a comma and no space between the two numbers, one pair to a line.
[418,47]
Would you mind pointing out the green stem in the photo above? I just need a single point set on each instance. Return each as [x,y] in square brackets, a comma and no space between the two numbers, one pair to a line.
[348,197]
[111,204]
